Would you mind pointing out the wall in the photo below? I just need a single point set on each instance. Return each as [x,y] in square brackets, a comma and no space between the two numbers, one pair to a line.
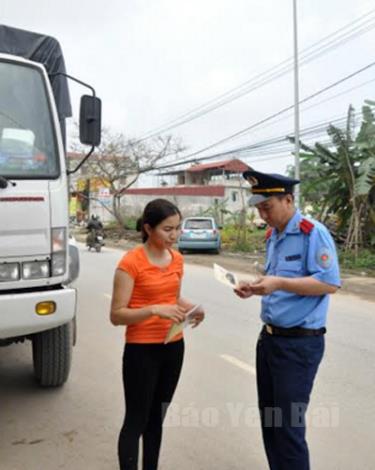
[188,205]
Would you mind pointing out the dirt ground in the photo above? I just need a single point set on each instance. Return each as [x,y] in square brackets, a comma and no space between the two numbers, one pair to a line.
[361,285]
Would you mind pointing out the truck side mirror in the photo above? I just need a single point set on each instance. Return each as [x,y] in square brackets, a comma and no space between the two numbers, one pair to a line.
[90,120]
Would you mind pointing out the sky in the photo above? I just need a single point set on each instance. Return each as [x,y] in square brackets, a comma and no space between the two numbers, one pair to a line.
[152,61]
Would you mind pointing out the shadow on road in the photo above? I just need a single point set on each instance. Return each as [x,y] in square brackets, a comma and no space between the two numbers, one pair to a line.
[16,372]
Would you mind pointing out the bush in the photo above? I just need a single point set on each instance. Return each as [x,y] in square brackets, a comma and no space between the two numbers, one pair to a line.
[111,224]
[245,240]
[364,261]
[130,223]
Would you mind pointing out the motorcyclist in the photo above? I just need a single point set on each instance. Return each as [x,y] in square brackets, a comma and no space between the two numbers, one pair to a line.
[95,228]
[94,223]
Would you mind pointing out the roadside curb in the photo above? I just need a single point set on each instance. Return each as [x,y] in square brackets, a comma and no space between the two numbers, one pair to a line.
[363,286]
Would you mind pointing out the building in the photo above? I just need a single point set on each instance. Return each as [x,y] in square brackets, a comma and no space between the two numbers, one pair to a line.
[216,189]
[90,189]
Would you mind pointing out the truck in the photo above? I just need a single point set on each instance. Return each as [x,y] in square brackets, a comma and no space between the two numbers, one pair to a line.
[38,258]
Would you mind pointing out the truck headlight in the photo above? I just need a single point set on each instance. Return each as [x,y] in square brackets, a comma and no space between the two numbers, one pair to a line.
[9,272]
[35,269]
[58,249]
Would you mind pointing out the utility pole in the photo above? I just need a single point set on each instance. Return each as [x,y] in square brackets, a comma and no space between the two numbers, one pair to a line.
[296,104]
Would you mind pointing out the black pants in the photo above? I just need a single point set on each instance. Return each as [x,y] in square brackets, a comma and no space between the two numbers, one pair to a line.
[286,368]
[150,375]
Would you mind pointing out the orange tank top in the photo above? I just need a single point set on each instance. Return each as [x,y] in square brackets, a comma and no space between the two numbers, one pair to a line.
[153,285]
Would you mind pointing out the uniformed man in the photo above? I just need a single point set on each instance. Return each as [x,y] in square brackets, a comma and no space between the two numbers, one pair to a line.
[301,270]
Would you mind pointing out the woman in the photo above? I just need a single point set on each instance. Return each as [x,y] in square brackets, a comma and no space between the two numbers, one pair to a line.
[146,298]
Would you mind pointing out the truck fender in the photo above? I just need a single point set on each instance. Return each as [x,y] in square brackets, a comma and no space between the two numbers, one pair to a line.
[73,260]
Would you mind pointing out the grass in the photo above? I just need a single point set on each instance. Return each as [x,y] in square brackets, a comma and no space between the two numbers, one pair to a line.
[129,223]
[246,240]
[365,261]
[253,242]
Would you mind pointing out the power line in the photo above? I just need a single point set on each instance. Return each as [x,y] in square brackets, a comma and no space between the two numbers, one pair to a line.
[189,159]
[312,131]
[330,98]
[272,77]
[305,108]
[316,130]
[271,74]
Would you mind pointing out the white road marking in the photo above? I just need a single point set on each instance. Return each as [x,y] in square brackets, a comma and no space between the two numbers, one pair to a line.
[236,362]
[232,360]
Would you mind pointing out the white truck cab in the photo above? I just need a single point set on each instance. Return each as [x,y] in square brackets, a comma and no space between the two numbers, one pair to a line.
[37,264]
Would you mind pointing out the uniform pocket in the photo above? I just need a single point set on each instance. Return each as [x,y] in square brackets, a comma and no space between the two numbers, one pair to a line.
[289,268]
[313,349]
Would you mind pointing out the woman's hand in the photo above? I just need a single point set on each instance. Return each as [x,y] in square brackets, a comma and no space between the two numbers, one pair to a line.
[199,315]
[176,313]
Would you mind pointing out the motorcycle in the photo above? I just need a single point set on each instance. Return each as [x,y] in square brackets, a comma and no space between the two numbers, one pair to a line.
[95,239]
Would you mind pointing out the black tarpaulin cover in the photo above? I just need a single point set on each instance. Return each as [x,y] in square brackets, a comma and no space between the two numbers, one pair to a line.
[43,49]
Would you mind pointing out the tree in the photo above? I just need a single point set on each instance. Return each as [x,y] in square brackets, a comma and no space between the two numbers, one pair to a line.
[340,178]
[119,162]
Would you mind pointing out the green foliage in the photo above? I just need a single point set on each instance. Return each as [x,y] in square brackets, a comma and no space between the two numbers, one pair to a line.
[366,176]
[364,260]
[111,224]
[339,180]
[217,211]
[128,223]
[253,242]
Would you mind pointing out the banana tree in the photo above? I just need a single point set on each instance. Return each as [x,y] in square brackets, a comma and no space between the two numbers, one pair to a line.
[340,178]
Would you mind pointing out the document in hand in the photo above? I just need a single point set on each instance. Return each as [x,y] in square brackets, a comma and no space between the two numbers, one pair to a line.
[176,328]
[225,277]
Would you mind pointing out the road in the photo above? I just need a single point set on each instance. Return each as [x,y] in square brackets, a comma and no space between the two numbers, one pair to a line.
[213,423]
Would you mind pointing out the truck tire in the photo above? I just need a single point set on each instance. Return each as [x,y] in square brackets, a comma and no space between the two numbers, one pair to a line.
[52,355]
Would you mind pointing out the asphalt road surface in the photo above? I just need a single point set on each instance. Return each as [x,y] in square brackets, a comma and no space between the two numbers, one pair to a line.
[213,423]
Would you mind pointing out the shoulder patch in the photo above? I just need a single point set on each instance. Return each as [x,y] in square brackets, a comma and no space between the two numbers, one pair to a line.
[268,232]
[324,257]
[306,226]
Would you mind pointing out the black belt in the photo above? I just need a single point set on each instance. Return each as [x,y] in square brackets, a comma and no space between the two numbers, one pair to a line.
[294,331]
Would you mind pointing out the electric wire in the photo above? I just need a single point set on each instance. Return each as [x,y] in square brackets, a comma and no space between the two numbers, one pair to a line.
[189,158]
[271,74]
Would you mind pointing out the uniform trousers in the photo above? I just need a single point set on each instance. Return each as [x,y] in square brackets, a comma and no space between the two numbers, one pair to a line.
[150,375]
[286,368]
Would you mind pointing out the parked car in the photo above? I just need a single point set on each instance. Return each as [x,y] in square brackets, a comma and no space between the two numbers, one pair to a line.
[199,233]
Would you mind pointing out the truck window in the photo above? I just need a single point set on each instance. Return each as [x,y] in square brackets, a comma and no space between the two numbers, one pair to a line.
[27,140]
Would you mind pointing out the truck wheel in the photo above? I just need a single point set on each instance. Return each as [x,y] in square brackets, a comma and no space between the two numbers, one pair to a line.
[52,355]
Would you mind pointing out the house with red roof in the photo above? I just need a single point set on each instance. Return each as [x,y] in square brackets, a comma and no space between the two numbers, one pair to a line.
[215,188]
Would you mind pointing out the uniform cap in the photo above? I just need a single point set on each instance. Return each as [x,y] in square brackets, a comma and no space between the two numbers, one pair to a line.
[265,185]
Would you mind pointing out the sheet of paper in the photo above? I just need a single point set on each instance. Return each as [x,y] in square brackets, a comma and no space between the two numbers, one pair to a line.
[176,328]
[225,277]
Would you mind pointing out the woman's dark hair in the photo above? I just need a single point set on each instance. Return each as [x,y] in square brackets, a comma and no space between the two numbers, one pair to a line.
[154,213]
